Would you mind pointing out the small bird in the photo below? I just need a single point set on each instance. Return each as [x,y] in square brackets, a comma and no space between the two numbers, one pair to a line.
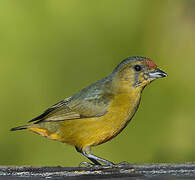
[100,111]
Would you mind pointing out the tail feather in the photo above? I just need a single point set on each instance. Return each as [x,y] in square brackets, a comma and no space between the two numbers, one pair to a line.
[19,128]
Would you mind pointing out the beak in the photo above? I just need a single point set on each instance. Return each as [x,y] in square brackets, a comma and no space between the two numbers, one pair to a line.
[157,74]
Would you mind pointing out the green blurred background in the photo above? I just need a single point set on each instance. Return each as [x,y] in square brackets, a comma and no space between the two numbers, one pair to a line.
[50,49]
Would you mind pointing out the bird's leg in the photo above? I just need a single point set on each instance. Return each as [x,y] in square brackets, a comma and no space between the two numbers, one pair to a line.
[87,153]
[95,159]
[91,159]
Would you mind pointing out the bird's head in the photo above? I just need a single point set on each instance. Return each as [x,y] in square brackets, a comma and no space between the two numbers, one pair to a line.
[137,72]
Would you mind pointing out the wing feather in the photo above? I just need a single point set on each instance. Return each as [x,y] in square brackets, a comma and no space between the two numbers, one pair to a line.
[92,101]
[75,107]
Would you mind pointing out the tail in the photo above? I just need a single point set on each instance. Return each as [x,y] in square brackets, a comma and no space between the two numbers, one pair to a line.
[19,128]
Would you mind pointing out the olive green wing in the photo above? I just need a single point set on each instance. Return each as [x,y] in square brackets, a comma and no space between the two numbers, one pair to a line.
[76,107]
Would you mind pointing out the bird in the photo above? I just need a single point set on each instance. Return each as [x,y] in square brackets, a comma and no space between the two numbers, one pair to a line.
[99,112]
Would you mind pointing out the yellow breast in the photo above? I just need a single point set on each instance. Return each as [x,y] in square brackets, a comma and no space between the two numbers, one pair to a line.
[94,131]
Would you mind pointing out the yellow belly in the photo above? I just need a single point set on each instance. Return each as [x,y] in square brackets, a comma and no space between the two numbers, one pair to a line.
[92,131]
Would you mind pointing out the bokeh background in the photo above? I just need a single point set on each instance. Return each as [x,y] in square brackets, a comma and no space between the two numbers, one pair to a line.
[50,50]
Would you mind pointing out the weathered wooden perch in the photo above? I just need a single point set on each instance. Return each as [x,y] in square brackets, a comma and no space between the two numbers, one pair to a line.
[131,171]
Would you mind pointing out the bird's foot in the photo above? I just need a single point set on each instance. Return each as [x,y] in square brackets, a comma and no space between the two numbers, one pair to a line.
[110,165]
[89,165]
[95,166]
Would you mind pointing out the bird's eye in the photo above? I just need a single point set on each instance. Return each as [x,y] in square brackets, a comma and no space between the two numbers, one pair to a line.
[137,68]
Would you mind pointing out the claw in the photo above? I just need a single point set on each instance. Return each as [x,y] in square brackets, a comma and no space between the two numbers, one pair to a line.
[87,164]
[95,166]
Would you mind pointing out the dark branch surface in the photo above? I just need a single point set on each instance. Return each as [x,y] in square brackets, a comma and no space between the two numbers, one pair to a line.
[131,171]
